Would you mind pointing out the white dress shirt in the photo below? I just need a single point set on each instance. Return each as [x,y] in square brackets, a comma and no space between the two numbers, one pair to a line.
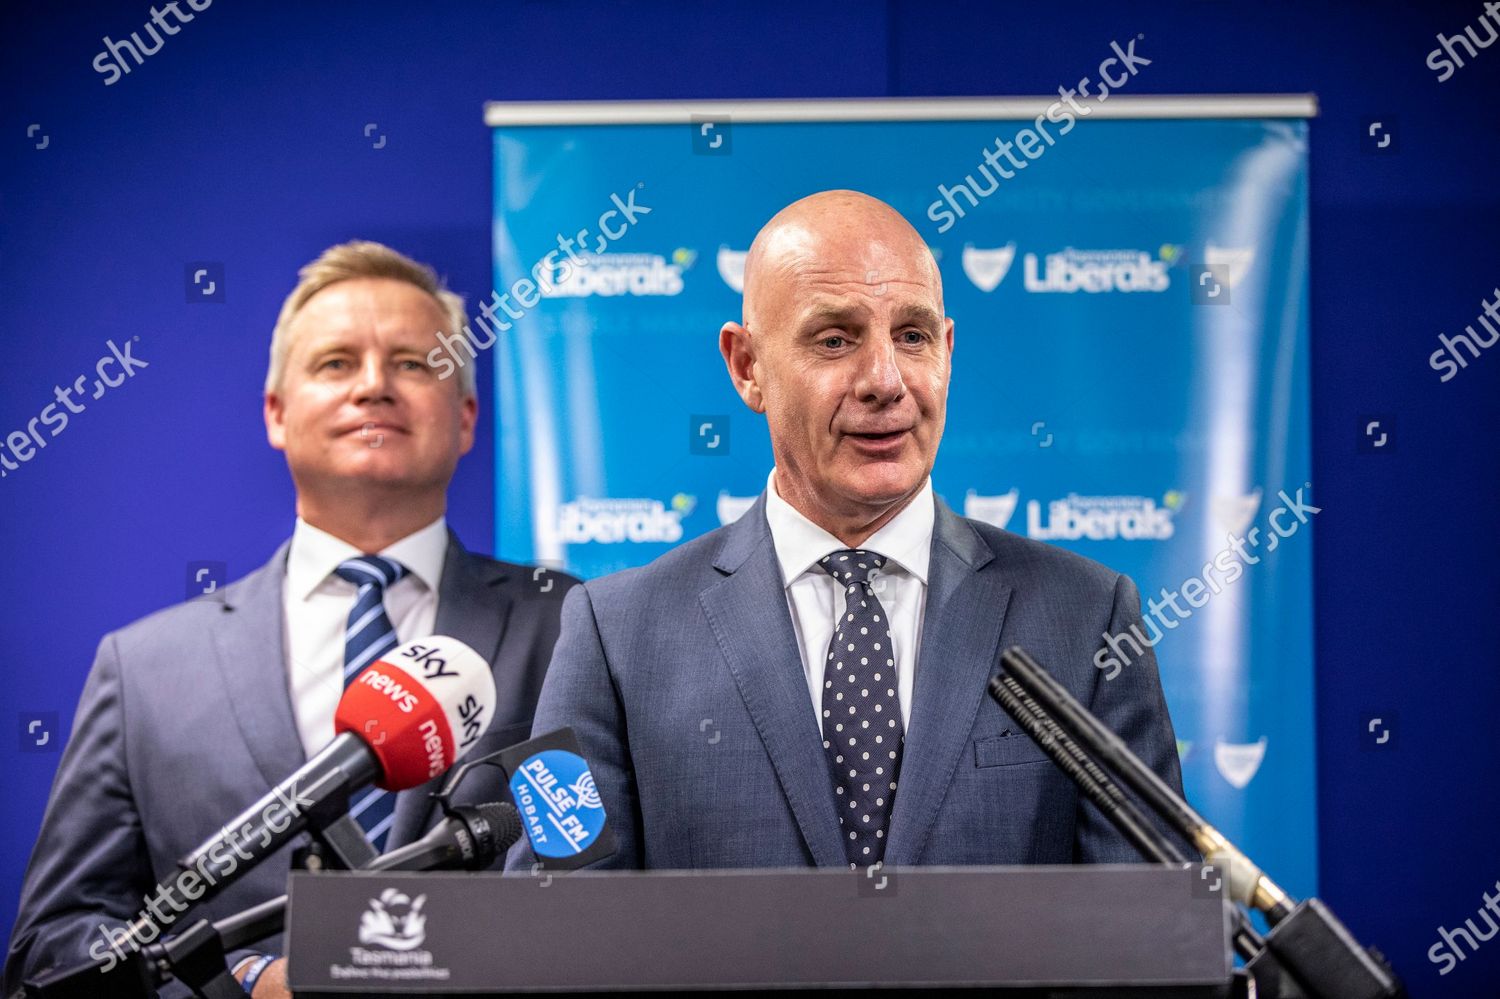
[317,605]
[816,600]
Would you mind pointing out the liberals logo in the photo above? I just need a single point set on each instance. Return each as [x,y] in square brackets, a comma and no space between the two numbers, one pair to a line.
[731,508]
[1235,261]
[1096,271]
[1238,762]
[611,521]
[987,268]
[732,267]
[613,274]
[1103,518]
[993,510]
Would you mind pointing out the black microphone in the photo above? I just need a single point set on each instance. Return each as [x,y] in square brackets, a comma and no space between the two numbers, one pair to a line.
[471,838]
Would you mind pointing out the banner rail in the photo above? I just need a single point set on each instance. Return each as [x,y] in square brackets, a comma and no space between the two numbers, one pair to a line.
[512,114]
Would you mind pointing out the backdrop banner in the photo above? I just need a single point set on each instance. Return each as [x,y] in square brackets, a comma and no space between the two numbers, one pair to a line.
[1129,374]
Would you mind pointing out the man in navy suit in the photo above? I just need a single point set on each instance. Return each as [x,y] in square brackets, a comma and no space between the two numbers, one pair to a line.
[806,686]
[193,713]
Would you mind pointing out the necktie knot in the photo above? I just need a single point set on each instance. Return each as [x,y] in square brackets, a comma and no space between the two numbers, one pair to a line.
[370,570]
[852,565]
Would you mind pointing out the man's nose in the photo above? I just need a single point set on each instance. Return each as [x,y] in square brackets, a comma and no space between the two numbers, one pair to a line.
[374,381]
[879,379]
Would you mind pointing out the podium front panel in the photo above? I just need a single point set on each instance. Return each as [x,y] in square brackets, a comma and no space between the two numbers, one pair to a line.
[1126,930]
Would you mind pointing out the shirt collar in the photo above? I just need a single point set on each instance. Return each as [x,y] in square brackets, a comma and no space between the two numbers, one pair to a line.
[905,540]
[315,554]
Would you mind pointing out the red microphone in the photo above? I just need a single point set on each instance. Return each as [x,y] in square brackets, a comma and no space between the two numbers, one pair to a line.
[418,709]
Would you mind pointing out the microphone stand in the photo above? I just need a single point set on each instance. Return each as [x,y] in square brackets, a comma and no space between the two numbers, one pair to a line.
[1308,953]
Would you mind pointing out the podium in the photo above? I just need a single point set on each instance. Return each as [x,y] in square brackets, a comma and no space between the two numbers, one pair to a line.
[1040,931]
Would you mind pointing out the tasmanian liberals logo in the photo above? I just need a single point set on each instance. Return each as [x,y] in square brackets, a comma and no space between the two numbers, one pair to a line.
[612,521]
[731,508]
[1104,518]
[1236,261]
[1096,271]
[610,275]
[1239,761]
[987,268]
[394,922]
[732,267]
[993,510]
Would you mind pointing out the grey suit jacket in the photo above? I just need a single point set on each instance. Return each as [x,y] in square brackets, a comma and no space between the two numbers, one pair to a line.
[186,719]
[684,682]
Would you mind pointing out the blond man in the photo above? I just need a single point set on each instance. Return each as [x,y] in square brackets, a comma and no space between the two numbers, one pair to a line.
[193,713]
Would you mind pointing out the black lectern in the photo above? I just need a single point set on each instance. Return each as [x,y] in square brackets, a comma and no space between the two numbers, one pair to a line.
[1055,931]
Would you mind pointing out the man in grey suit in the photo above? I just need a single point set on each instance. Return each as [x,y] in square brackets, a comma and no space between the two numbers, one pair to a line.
[193,713]
[806,686]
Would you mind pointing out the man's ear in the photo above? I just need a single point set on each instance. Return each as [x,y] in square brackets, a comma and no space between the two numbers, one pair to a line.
[275,415]
[739,359]
[468,416]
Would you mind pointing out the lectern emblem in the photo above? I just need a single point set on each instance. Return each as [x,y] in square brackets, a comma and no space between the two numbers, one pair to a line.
[394,921]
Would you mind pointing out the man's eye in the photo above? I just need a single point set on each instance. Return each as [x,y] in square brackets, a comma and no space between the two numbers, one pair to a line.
[413,366]
[915,337]
[833,342]
[334,362]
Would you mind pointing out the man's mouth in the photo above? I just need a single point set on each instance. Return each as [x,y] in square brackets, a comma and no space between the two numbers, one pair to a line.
[879,436]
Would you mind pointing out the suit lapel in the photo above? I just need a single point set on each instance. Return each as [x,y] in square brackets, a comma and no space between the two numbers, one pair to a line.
[472,609]
[251,658]
[748,613]
[960,650]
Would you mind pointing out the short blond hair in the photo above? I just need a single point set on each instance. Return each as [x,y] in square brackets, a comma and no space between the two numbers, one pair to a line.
[364,259]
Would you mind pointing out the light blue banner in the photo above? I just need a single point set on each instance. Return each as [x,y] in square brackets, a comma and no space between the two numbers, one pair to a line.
[1130,379]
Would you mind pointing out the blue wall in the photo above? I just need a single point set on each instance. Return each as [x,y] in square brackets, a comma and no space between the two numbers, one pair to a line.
[241,143]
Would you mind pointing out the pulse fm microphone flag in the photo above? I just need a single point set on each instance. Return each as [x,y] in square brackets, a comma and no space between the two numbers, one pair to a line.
[560,807]
[406,718]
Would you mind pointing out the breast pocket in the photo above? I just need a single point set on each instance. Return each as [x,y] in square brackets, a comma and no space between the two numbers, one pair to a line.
[1007,750]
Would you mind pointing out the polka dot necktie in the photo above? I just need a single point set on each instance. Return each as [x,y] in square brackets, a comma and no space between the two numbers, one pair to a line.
[862,732]
[368,636]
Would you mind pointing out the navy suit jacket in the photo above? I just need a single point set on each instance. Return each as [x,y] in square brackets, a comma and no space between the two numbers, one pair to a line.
[186,720]
[684,682]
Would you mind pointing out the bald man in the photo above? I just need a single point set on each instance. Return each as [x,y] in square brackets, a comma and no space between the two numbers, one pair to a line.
[806,686]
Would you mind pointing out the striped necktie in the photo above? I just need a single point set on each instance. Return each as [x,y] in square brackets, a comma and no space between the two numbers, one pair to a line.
[369,636]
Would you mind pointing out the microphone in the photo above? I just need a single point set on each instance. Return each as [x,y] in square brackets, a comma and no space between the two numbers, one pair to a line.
[559,805]
[470,839]
[403,721]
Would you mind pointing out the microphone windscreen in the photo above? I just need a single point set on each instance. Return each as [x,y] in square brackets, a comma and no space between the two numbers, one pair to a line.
[419,708]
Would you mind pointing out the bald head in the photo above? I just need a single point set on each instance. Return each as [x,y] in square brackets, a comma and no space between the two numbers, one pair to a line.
[823,230]
[845,349]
